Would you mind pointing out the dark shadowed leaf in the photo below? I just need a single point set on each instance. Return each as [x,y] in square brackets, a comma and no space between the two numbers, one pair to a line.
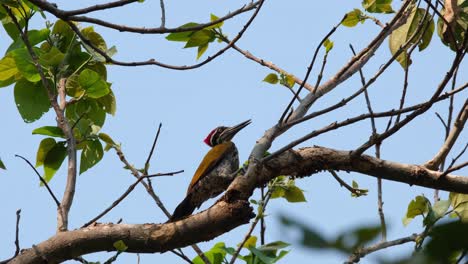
[54,160]
[31,100]
[91,154]
[44,147]
[2,165]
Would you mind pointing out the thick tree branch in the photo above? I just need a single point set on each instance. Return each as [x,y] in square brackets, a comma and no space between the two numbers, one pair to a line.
[232,209]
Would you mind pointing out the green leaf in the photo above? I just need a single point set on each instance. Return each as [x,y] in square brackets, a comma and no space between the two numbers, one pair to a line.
[53,57]
[34,37]
[459,203]
[328,45]
[182,36]
[2,165]
[214,18]
[405,33]
[97,40]
[200,38]
[64,35]
[353,18]
[93,84]
[448,239]
[201,50]
[7,82]
[120,246]
[86,112]
[294,195]
[215,255]
[49,131]
[73,87]
[11,28]
[7,68]
[271,78]
[378,6]
[419,206]
[108,103]
[54,160]
[262,256]
[25,65]
[31,100]
[44,147]
[92,153]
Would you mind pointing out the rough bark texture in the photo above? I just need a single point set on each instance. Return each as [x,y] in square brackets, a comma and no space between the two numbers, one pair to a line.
[232,209]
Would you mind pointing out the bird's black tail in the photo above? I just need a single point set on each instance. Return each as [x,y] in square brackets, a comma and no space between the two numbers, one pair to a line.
[186,207]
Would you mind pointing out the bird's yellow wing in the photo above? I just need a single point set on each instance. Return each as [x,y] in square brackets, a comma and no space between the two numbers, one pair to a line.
[211,159]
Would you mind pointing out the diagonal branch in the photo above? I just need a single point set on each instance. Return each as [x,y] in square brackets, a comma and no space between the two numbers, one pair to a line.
[451,138]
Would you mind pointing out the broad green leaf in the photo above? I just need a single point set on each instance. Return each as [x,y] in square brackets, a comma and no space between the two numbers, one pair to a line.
[7,68]
[378,6]
[447,240]
[251,242]
[436,212]
[294,195]
[120,246]
[53,57]
[31,100]
[11,28]
[97,40]
[200,38]
[73,87]
[34,37]
[25,65]
[271,78]
[182,36]
[406,32]
[419,206]
[44,147]
[108,140]
[93,84]
[459,203]
[262,256]
[7,82]
[275,245]
[54,160]
[87,109]
[49,131]
[353,18]
[201,50]
[328,45]
[64,35]
[108,102]
[98,67]
[289,79]
[2,165]
[91,154]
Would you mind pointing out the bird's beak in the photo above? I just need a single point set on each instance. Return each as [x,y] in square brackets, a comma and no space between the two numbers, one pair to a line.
[230,132]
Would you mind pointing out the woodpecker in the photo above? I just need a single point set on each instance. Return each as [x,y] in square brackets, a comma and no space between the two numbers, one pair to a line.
[215,172]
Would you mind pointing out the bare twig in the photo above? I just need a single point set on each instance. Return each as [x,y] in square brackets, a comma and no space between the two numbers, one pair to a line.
[451,138]
[41,179]
[309,70]
[357,192]
[361,117]
[17,245]
[356,256]
[69,16]
[126,193]
[152,149]
[451,167]
[108,59]
[163,14]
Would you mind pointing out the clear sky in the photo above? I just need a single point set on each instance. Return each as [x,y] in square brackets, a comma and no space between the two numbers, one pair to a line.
[225,92]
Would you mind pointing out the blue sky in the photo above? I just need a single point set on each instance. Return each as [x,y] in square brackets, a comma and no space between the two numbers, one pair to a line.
[225,92]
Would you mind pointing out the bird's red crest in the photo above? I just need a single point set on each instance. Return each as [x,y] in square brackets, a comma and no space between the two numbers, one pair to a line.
[208,138]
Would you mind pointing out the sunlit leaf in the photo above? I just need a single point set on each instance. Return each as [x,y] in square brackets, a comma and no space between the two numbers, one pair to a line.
[49,131]
[419,206]
[93,84]
[328,45]
[120,246]
[459,203]
[25,64]
[378,6]
[44,147]
[271,78]
[353,18]
[7,68]
[54,160]
[182,36]
[201,50]
[251,242]
[200,38]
